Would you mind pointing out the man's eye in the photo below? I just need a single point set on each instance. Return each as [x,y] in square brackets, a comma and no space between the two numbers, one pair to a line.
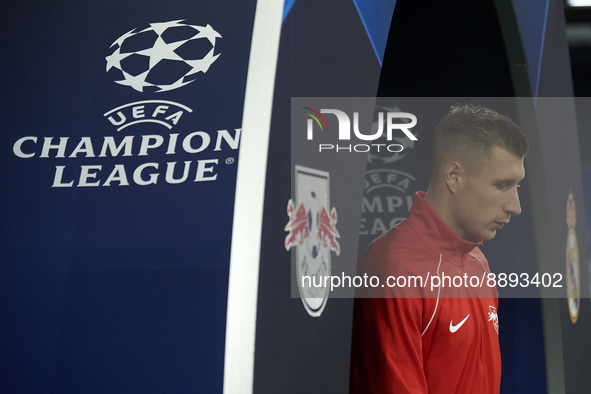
[501,186]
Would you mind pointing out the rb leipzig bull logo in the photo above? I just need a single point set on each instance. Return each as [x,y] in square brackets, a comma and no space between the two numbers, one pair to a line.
[492,316]
[312,230]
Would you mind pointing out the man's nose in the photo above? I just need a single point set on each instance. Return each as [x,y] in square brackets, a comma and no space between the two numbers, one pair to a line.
[513,206]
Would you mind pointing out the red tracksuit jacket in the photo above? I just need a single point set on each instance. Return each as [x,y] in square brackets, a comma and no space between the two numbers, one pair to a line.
[442,341]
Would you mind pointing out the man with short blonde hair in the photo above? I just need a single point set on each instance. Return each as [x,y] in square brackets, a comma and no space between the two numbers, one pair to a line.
[443,341]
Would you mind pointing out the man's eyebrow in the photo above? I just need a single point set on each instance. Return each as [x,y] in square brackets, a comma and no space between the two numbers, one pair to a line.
[510,180]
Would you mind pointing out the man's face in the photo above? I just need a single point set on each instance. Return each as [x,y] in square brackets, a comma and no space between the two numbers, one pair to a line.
[486,199]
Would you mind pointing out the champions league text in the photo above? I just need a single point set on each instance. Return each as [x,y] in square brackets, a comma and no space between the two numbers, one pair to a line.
[148,173]
[434,282]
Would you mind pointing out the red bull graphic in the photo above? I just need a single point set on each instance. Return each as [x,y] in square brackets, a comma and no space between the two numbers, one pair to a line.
[299,227]
[312,230]
[492,316]
[327,230]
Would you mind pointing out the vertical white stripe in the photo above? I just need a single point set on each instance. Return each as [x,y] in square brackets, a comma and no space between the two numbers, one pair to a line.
[438,294]
[248,206]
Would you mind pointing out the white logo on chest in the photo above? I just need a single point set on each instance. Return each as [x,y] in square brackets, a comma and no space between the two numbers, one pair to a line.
[455,328]
[492,316]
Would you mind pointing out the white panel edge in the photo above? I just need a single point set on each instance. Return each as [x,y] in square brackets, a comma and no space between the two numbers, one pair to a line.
[248,205]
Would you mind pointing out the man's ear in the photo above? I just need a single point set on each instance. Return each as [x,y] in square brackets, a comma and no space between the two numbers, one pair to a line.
[453,173]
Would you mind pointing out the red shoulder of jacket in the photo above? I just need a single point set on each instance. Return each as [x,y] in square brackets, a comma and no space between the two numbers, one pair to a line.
[400,253]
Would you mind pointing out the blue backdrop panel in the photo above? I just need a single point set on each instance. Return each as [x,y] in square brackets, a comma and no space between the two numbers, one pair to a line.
[115,244]
[324,51]
[376,17]
[532,17]
[556,81]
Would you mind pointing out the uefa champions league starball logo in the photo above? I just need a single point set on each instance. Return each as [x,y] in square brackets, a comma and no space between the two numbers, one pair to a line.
[162,57]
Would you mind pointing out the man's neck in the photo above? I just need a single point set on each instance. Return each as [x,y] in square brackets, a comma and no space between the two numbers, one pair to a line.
[441,203]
